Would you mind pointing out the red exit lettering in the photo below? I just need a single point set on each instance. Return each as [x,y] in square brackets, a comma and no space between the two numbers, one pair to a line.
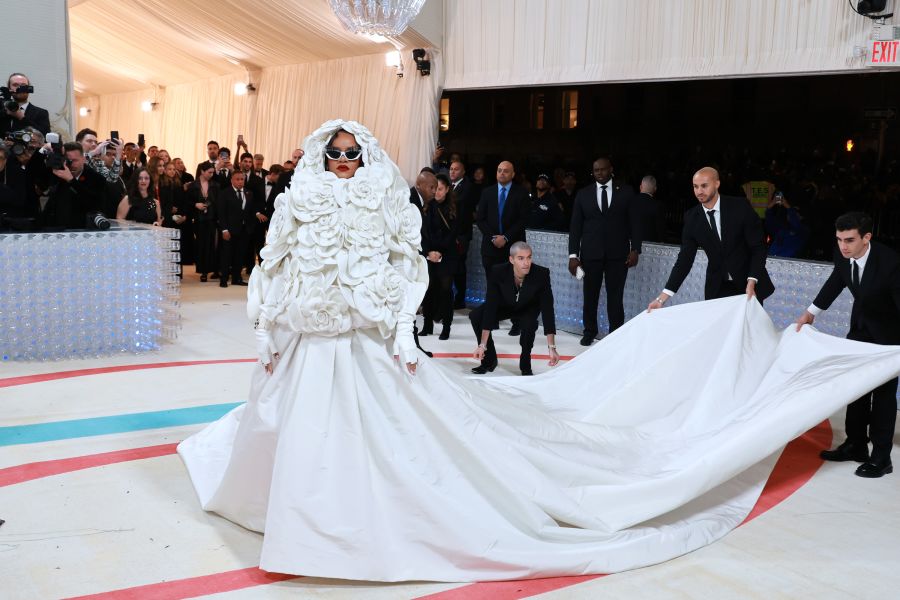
[885,52]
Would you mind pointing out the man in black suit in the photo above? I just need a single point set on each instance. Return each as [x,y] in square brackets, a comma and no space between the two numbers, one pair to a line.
[465,207]
[605,241]
[258,161]
[212,151]
[521,290]
[730,232]
[652,213]
[270,189]
[501,216]
[256,186]
[75,193]
[238,215]
[27,114]
[872,273]
[423,191]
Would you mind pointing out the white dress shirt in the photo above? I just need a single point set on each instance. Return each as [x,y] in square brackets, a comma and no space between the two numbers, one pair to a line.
[861,265]
[609,194]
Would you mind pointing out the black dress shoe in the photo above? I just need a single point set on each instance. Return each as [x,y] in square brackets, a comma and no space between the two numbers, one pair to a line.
[587,340]
[527,372]
[223,283]
[484,368]
[239,282]
[872,470]
[445,334]
[515,330]
[844,452]
[203,277]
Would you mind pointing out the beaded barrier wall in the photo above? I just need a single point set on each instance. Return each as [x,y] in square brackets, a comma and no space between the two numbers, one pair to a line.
[77,294]
[796,284]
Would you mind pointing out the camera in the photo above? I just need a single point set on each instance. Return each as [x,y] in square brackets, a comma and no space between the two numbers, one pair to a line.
[6,96]
[779,197]
[20,140]
[55,160]
[97,221]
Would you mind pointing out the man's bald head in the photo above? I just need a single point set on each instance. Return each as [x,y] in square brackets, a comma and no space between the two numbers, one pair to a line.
[426,184]
[708,172]
[505,172]
[706,186]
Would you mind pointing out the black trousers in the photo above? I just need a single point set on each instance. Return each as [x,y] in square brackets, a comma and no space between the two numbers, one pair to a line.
[732,288]
[438,301]
[527,324]
[873,416]
[232,255]
[615,271]
[459,279]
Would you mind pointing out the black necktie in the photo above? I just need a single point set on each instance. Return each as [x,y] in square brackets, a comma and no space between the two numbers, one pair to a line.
[712,222]
[604,200]
[855,275]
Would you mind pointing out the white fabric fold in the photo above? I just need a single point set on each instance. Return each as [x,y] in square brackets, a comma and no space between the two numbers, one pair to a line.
[622,458]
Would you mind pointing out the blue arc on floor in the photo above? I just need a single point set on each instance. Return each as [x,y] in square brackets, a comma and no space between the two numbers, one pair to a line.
[77,428]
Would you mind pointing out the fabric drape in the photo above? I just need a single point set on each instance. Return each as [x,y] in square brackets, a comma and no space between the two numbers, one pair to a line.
[290,103]
[527,42]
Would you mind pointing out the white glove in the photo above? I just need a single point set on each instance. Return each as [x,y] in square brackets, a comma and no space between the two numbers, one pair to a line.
[265,346]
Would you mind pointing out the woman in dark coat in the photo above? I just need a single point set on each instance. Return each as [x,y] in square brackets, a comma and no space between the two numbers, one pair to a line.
[440,228]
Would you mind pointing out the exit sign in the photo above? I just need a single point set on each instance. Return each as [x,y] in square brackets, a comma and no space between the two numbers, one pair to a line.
[884,53]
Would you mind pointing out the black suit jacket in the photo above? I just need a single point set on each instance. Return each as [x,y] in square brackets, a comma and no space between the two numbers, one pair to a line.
[876,304]
[414,198]
[70,202]
[230,215]
[466,203]
[269,198]
[741,253]
[35,116]
[535,296]
[515,218]
[653,218]
[594,235]
[256,186]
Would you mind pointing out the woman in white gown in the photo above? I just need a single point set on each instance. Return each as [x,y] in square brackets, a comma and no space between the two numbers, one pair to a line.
[357,461]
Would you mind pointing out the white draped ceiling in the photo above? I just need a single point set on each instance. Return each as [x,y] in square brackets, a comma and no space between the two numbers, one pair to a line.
[540,42]
[306,68]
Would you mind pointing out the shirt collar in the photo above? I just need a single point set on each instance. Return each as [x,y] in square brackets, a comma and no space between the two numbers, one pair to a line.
[608,184]
[714,206]
[861,261]
[505,187]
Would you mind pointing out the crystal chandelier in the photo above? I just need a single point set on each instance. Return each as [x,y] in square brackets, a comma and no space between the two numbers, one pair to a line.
[376,17]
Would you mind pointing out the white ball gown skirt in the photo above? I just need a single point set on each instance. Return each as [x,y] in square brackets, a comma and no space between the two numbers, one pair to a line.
[653,443]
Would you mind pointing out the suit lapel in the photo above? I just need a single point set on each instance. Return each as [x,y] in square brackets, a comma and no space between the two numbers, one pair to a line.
[868,274]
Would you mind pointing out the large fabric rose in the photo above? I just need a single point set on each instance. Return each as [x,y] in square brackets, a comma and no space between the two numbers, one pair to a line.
[314,197]
[320,309]
[281,235]
[380,298]
[364,230]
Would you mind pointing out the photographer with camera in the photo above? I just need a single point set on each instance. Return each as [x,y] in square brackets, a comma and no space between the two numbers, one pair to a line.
[18,113]
[77,193]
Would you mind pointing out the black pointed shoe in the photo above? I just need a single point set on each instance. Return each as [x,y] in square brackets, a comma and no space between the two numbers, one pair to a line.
[846,451]
[484,368]
[872,470]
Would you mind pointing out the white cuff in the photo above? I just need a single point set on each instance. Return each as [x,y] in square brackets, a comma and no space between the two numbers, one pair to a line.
[573,256]
[753,279]
[669,293]
[814,310]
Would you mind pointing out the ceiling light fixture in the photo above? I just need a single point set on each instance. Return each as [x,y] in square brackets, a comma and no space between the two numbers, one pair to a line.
[376,17]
